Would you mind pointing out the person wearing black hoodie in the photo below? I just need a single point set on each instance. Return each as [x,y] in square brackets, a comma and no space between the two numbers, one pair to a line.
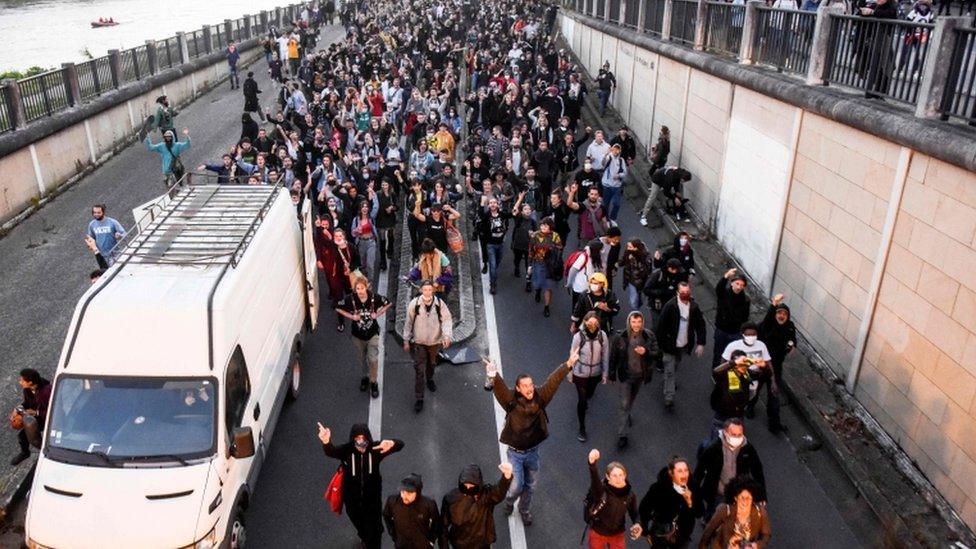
[467,511]
[362,485]
[778,332]
[663,284]
[609,501]
[668,510]
[680,250]
[731,311]
[412,518]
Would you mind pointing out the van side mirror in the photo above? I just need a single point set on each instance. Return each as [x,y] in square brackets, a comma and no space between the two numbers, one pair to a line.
[243,445]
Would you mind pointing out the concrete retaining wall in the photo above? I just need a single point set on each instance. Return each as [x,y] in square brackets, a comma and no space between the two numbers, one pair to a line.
[864,216]
[38,161]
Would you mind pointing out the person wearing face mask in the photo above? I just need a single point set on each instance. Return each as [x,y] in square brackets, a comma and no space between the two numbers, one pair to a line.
[662,284]
[593,368]
[727,457]
[759,362]
[598,299]
[680,331]
[586,179]
[467,512]
[731,311]
[778,332]
[681,250]
[730,393]
[669,508]
[526,428]
[362,484]
[609,501]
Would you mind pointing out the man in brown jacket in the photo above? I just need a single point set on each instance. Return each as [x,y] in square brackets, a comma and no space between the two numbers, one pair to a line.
[526,426]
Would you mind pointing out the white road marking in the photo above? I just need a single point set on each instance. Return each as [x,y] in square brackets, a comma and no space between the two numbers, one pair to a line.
[376,404]
[516,529]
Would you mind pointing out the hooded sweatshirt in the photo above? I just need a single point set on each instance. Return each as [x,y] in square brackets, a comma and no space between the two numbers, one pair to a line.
[414,526]
[611,520]
[779,338]
[363,481]
[467,513]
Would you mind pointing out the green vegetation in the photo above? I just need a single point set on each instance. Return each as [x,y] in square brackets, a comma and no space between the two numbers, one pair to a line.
[17,75]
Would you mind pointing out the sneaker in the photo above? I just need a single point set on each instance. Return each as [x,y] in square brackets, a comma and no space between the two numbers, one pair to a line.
[508,507]
[538,296]
[340,327]
[491,289]
[364,384]
[581,436]
[545,311]
[622,443]
[431,386]
[526,518]
[484,269]
[418,406]
[374,390]
[20,457]
[643,221]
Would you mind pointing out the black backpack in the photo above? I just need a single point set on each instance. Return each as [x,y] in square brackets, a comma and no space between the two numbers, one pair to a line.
[593,506]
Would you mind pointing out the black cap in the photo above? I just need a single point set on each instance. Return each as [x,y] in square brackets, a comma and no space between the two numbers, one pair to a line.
[674,262]
[411,483]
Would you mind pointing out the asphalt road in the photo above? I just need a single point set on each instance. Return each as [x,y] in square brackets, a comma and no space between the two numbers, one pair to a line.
[45,265]
[811,504]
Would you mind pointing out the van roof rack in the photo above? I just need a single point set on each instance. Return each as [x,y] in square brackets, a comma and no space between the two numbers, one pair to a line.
[197,225]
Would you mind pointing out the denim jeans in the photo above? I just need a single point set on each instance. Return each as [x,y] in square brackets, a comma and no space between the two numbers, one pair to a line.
[495,252]
[604,96]
[525,475]
[671,362]
[628,393]
[612,197]
[634,297]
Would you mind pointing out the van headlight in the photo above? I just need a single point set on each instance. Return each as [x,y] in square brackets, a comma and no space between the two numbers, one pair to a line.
[208,541]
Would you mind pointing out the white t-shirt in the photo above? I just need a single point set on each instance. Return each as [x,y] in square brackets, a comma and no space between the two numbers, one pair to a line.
[684,314]
[757,350]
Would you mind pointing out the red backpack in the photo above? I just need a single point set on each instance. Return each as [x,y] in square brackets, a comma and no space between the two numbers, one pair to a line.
[333,493]
[571,260]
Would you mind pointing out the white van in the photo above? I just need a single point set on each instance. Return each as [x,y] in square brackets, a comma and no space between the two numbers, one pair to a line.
[176,365]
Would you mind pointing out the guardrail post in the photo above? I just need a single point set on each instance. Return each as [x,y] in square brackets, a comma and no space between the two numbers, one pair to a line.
[184,47]
[606,11]
[701,24]
[207,39]
[247,26]
[622,13]
[15,104]
[935,74]
[264,21]
[642,14]
[152,57]
[749,23]
[72,87]
[666,20]
[816,71]
[115,67]
[228,32]
[277,18]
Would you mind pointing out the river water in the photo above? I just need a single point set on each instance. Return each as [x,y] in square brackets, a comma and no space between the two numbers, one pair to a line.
[46,33]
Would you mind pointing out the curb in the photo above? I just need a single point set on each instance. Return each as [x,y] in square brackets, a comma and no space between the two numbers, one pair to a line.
[811,378]
[13,484]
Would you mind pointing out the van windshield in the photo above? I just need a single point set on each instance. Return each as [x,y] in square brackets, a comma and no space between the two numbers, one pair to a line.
[111,421]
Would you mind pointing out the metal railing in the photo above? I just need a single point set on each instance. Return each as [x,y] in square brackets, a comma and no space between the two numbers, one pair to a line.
[195,45]
[959,98]
[653,16]
[631,13]
[723,27]
[44,94]
[615,11]
[783,39]
[684,16]
[94,77]
[135,64]
[588,7]
[167,53]
[883,58]
[601,7]
[6,123]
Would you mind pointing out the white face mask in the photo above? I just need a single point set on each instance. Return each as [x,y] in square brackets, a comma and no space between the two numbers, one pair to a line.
[749,340]
[595,288]
[734,442]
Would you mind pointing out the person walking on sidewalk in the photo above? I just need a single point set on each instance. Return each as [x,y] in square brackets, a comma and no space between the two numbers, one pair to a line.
[428,329]
[731,311]
[680,330]
[411,518]
[362,484]
[614,175]
[606,84]
[526,427]
[593,368]
[467,512]
[233,56]
[609,501]
[364,308]
[632,359]
[778,332]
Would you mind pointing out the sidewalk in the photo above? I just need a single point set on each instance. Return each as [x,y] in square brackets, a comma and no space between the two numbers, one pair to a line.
[911,511]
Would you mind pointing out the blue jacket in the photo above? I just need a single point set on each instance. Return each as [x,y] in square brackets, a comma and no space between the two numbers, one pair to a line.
[167,154]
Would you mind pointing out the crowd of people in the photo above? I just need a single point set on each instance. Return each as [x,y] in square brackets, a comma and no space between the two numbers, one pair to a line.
[369,129]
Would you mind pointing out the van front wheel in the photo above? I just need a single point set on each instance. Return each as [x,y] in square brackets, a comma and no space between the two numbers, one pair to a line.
[237,532]
[295,378]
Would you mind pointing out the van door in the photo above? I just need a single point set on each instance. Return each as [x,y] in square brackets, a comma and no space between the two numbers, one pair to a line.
[311,265]
[237,395]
